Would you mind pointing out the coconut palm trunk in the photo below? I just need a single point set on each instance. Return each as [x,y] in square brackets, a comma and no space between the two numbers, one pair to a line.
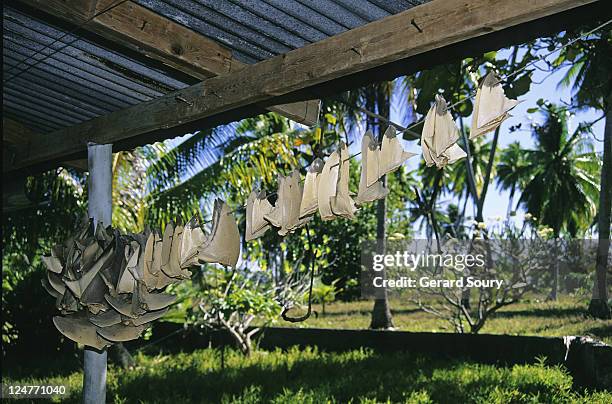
[598,306]
[381,313]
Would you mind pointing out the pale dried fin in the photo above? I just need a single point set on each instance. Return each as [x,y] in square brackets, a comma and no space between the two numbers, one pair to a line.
[491,106]
[440,135]
[119,304]
[223,246]
[120,332]
[392,154]
[309,202]
[369,169]
[257,206]
[106,319]
[342,204]
[148,317]
[328,183]
[53,264]
[80,330]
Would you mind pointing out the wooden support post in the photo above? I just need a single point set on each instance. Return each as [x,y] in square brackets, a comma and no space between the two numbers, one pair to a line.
[100,159]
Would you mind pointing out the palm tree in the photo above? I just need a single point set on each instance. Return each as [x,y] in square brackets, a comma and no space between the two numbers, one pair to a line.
[512,171]
[590,60]
[562,187]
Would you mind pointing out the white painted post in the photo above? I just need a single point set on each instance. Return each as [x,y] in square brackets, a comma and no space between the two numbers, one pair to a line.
[99,159]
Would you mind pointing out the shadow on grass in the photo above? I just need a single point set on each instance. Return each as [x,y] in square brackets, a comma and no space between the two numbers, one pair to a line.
[311,376]
[315,377]
[377,377]
[363,312]
[41,367]
[544,312]
[600,331]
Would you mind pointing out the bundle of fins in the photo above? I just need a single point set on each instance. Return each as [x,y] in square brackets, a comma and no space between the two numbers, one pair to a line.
[109,287]
[326,188]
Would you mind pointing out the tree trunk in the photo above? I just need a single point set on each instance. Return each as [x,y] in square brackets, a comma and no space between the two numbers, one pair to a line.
[598,306]
[381,313]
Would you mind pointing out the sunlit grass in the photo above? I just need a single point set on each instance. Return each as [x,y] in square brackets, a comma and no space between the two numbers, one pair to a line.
[533,317]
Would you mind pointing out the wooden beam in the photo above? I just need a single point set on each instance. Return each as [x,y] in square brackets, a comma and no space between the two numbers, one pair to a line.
[162,39]
[17,140]
[395,39]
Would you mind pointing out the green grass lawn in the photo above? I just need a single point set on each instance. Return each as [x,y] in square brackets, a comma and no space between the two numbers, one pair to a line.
[564,317]
[308,376]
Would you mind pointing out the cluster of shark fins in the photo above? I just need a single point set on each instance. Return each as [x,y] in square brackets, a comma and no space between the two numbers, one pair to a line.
[440,134]
[109,287]
[325,188]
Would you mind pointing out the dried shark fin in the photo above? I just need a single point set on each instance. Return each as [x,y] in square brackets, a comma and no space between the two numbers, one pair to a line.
[370,154]
[55,281]
[78,286]
[328,183]
[121,305]
[154,301]
[173,268]
[67,303]
[53,264]
[167,248]
[257,206]
[120,332]
[223,245]
[288,203]
[275,215]
[342,204]
[50,290]
[392,154]
[491,106]
[193,238]
[78,328]
[148,317]
[132,252]
[93,296]
[296,190]
[309,203]
[440,136]
[147,277]
[106,318]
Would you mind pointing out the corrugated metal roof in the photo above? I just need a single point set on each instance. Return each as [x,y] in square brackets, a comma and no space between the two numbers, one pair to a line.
[259,29]
[77,83]
[86,79]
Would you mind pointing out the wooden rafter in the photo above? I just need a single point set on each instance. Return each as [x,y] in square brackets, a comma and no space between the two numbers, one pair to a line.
[162,39]
[435,26]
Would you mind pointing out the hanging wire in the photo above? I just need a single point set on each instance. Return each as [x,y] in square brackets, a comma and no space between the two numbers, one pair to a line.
[402,129]
[74,30]
[473,94]
[299,319]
